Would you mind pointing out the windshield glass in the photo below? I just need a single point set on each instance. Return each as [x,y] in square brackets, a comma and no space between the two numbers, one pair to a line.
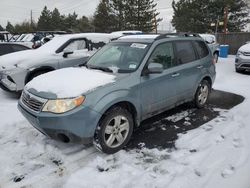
[119,57]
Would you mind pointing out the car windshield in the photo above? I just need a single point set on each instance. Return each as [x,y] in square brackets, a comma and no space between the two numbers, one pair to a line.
[120,57]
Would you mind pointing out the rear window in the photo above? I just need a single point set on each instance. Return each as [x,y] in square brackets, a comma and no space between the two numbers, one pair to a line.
[201,49]
[185,52]
[19,48]
[5,49]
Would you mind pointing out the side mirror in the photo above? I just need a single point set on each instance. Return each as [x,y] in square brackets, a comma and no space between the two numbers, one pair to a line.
[66,53]
[154,68]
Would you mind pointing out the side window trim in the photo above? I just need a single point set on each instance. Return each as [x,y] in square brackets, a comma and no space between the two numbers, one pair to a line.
[61,48]
[197,56]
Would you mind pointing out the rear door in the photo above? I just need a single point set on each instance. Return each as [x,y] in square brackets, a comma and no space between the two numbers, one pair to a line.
[190,68]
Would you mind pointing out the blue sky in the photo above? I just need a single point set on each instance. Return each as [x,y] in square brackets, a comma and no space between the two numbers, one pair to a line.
[17,11]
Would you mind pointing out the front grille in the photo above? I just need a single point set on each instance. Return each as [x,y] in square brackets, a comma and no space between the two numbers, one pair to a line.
[245,65]
[246,53]
[31,102]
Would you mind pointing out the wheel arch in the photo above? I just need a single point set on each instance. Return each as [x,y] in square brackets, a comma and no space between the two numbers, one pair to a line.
[128,105]
[39,69]
[206,77]
[209,79]
[216,52]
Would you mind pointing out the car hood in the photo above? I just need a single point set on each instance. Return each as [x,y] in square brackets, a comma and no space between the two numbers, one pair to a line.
[69,82]
[245,48]
[22,59]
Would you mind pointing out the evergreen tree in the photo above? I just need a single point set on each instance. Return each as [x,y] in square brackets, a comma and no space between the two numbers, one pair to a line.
[103,18]
[197,15]
[25,27]
[118,12]
[44,21]
[70,22]
[141,15]
[10,27]
[56,20]
[85,25]
[1,28]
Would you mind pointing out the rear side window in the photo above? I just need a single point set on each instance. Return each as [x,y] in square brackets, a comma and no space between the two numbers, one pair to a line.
[19,48]
[185,52]
[201,49]
[5,49]
[163,54]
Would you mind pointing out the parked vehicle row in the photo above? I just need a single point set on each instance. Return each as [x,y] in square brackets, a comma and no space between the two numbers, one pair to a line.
[5,36]
[128,80]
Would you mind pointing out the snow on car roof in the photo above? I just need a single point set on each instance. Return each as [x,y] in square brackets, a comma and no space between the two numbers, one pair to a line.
[122,33]
[153,36]
[59,40]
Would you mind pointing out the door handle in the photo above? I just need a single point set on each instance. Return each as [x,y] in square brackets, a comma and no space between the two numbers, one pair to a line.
[175,74]
[200,67]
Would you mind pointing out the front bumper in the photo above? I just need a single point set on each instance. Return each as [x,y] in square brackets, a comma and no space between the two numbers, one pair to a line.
[78,125]
[13,81]
[242,63]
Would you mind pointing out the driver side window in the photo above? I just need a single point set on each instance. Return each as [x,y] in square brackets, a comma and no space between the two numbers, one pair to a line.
[74,45]
[163,54]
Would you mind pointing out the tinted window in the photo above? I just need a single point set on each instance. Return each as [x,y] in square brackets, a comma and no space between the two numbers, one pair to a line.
[18,48]
[5,49]
[201,49]
[163,54]
[185,52]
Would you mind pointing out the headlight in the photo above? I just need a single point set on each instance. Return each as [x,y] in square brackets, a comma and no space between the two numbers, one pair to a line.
[62,105]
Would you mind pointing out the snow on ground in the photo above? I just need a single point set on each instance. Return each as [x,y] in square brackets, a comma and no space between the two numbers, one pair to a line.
[214,155]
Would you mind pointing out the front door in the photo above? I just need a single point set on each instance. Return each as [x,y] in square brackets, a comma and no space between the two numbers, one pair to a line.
[158,91]
[78,54]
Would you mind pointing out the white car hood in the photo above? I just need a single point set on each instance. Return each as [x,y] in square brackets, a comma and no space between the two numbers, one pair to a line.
[22,58]
[245,48]
[70,82]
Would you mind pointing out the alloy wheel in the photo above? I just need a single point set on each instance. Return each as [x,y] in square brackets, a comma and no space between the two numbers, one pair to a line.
[203,94]
[116,131]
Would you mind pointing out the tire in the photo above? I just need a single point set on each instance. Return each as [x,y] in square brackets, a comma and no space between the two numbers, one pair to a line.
[114,130]
[216,57]
[202,94]
[35,74]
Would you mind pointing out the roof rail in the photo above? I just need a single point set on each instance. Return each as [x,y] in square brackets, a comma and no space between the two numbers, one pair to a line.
[166,35]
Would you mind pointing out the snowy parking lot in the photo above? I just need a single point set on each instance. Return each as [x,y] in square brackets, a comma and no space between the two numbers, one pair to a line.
[216,154]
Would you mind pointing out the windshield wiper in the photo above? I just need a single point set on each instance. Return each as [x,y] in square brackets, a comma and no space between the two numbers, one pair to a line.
[105,69]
